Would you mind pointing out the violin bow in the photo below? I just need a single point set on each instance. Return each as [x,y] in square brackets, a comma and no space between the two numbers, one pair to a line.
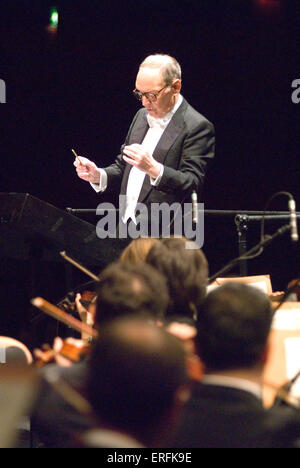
[63,317]
[79,266]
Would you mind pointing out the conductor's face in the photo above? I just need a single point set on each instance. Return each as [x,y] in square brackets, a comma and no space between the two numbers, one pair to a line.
[157,97]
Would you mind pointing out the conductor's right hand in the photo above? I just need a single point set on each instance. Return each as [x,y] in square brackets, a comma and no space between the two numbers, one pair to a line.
[87,170]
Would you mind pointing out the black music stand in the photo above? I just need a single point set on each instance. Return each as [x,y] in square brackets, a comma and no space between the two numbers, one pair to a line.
[33,228]
[33,233]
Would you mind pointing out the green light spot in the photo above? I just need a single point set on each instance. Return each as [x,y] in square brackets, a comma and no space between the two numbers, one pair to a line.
[54,17]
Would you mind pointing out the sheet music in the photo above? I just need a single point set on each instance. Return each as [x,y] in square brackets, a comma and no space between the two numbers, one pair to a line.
[292,355]
[287,319]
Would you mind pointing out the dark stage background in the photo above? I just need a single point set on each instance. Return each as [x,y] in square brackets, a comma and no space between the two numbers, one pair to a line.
[72,89]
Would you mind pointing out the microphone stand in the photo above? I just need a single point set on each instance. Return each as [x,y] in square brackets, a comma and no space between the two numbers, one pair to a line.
[257,249]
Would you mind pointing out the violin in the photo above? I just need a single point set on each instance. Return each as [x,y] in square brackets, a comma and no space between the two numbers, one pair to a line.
[64,352]
[71,349]
[68,303]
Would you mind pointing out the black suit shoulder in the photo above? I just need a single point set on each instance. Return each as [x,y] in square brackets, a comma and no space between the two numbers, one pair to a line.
[223,417]
[194,119]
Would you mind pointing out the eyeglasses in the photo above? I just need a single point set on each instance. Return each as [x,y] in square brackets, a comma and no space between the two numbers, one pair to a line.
[151,95]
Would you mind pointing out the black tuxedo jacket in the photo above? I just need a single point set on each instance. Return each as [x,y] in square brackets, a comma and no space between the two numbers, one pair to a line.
[223,417]
[185,148]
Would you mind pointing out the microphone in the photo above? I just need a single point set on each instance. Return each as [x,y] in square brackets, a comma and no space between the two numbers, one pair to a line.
[293,220]
[194,207]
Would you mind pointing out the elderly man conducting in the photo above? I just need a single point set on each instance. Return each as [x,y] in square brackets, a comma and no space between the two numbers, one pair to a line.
[167,148]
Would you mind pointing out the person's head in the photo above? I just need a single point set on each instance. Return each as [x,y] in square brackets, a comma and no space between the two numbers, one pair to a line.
[125,289]
[186,271]
[137,250]
[137,379]
[158,84]
[233,328]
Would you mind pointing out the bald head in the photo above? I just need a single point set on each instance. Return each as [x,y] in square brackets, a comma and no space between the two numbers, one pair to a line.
[136,369]
[168,66]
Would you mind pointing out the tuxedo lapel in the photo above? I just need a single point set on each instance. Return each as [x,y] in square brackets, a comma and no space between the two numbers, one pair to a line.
[137,136]
[165,143]
[170,135]
[139,130]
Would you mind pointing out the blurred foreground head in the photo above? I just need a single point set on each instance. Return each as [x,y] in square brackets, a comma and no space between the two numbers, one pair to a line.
[233,327]
[19,384]
[14,352]
[137,379]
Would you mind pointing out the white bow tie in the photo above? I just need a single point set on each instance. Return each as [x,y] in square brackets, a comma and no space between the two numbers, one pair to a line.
[153,122]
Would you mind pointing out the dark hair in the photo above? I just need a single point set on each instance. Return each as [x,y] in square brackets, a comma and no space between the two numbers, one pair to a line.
[135,370]
[186,271]
[233,327]
[125,289]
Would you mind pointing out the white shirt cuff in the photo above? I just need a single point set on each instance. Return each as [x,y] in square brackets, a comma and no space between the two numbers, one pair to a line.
[102,183]
[156,181]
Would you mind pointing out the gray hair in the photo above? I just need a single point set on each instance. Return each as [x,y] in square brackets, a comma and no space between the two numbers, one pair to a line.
[168,66]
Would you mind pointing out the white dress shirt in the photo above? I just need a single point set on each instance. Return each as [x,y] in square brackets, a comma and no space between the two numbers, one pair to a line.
[136,176]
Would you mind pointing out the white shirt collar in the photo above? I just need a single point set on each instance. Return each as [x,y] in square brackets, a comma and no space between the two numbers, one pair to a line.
[233,382]
[110,439]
